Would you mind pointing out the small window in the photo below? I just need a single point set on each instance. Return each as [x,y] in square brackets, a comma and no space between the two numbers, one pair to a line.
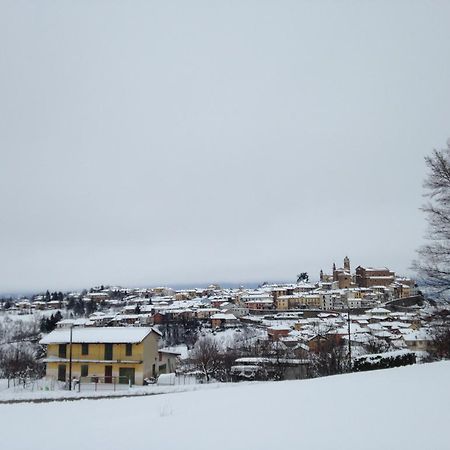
[62,351]
[84,370]
[128,349]
[84,350]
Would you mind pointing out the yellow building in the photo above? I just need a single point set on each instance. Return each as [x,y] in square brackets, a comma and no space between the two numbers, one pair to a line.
[104,354]
[282,303]
[313,300]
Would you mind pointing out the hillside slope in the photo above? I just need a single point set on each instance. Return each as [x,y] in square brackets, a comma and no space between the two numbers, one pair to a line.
[404,408]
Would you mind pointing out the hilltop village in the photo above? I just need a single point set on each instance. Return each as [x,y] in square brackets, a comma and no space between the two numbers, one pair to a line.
[274,331]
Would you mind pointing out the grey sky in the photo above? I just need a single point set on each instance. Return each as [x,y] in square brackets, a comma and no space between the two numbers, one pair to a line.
[145,143]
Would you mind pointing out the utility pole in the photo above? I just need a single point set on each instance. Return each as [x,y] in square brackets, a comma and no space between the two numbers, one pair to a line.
[349,339]
[70,359]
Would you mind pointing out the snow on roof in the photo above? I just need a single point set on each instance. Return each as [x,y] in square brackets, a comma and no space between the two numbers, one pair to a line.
[75,322]
[222,316]
[169,352]
[109,335]
[180,350]
[243,368]
[255,360]
[382,334]
[280,328]
[420,335]
[379,311]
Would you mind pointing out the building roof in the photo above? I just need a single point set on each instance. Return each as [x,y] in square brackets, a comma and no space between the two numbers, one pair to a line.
[107,335]
[222,316]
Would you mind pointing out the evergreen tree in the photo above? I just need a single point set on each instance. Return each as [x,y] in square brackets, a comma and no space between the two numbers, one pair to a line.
[90,307]
[70,303]
[58,317]
[78,308]
[303,277]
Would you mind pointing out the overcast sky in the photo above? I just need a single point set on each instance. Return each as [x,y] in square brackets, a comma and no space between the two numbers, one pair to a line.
[147,143]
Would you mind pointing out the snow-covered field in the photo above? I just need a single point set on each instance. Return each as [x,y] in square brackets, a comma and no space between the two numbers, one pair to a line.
[50,390]
[404,408]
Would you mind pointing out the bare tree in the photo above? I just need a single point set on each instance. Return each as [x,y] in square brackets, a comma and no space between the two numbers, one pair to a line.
[330,356]
[20,361]
[433,265]
[375,345]
[206,356]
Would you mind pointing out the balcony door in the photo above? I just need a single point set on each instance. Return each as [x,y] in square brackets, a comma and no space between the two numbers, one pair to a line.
[108,352]
[108,374]
[61,372]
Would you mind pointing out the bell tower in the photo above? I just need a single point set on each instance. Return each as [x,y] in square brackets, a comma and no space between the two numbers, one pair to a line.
[347,264]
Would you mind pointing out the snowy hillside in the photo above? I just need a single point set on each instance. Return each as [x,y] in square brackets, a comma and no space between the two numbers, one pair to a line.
[404,408]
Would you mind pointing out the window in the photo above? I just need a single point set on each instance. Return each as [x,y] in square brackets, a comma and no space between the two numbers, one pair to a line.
[84,350]
[62,372]
[62,350]
[128,349]
[108,352]
[84,370]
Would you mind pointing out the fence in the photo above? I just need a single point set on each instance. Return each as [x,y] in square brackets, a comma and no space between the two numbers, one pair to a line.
[172,379]
[95,383]
[28,384]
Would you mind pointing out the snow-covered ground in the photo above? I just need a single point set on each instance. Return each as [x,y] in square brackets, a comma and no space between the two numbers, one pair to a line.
[49,390]
[403,408]
[25,316]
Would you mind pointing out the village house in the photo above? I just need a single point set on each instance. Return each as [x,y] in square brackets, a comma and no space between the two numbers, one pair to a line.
[168,360]
[205,313]
[258,368]
[275,332]
[107,354]
[259,305]
[420,340]
[222,320]
[371,277]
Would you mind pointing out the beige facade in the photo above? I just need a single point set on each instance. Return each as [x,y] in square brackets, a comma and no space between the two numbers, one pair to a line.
[282,303]
[370,277]
[95,355]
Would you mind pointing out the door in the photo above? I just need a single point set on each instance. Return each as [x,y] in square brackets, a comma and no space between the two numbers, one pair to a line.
[108,352]
[126,375]
[108,374]
[62,372]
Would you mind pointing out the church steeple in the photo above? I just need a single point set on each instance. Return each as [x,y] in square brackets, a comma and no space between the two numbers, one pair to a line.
[347,264]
